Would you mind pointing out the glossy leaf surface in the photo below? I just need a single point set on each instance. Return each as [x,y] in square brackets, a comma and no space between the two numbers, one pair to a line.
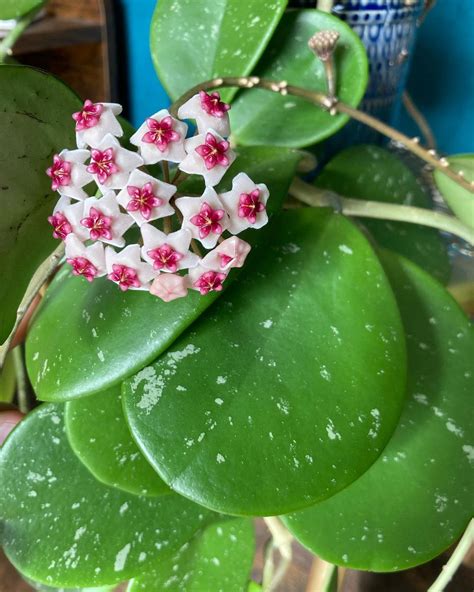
[35,123]
[416,499]
[288,389]
[87,338]
[262,117]
[219,558]
[63,528]
[14,9]
[216,38]
[460,200]
[375,174]
[100,437]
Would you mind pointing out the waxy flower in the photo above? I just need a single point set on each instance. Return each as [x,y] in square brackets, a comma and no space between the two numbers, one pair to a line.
[69,174]
[161,137]
[204,216]
[208,155]
[246,204]
[61,225]
[94,121]
[206,280]
[111,164]
[146,198]
[100,219]
[208,111]
[127,270]
[167,252]
[231,252]
[169,286]
[66,219]
[88,261]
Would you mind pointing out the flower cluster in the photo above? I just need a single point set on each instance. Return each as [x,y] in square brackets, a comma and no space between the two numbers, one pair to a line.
[175,229]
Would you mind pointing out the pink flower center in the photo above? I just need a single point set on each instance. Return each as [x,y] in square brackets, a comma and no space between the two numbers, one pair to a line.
[124,276]
[103,164]
[82,266]
[143,200]
[225,259]
[99,225]
[250,205]
[213,152]
[60,224]
[211,281]
[88,116]
[60,173]
[208,220]
[165,257]
[212,104]
[160,133]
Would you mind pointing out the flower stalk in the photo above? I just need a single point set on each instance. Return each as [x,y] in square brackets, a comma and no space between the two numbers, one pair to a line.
[9,41]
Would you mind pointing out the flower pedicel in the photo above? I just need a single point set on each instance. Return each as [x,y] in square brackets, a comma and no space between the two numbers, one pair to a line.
[185,242]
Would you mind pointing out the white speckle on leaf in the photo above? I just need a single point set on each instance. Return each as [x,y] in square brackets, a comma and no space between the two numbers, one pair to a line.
[220,458]
[452,427]
[331,431]
[123,508]
[100,355]
[121,558]
[218,401]
[420,398]
[469,450]
[221,379]
[267,324]
[324,372]
[345,249]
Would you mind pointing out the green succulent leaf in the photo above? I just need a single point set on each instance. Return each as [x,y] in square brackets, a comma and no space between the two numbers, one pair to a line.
[63,528]
[269,402]
[101,439]
[35,122]
[195,41]
[7,379]
[262,117]
[460,200]
[45,588]
[218,558]
[416,499]
[87,338]
[375,174]
[14,9]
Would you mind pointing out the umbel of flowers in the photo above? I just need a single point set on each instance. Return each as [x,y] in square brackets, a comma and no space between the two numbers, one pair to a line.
[203,247]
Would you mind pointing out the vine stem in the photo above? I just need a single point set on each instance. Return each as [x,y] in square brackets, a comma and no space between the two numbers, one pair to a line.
[9,41]
[315,197]
[454,561]
[333,106]
[282,541]
[325,5]
[419,119]
[20,372]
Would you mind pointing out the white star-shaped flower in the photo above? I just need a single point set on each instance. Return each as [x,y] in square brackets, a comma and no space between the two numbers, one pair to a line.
[88,261]
[208,155]
[208,111]
[146,198]
[169,286]
[111,164]
[127,269]
[95,121]
[161,137]
[231,252]
[167,252]
[100,219]
[246,204]
[204,216]
[69,173]
[206,280]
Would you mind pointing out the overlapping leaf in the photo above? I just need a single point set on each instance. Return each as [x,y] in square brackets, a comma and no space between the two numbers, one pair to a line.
[460,200]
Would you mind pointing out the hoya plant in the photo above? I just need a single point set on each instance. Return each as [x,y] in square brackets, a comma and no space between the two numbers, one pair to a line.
[218,335]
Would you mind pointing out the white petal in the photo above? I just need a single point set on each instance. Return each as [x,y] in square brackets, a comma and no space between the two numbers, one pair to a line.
[130,256]
[179,241]
[192,110]
[150,153]
[94,253]
[108,124]
[242,183]
[109,207]
[233,247]
[126,160]
[79,175]
[196,272]
[74,214]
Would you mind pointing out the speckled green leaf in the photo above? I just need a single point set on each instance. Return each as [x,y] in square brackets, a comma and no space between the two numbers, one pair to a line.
[35,122]
[417,498]
[45,588]
[289,388]
[460,200]
[262,117]
[14,9]
[375,174]
[219,559]
[194,41]
[100,437]
[61,527]
[87,338]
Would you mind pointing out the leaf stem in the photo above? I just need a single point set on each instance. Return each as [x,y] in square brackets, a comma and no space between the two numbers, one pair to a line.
[454,561]
[325,5]
[22,391]
[420,120]
[316,197]
[333,106]
[282,541]
[12,37]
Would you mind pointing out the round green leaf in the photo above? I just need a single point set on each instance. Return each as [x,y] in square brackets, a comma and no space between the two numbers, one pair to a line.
[14,9]
[375,174]
[263,117]
[289,388]
[218,558]
[417,498]
[100,437]
[35,122]
[88,337]
[61,527]
[216,38]
[7,379]
[45,588]
[460,200]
